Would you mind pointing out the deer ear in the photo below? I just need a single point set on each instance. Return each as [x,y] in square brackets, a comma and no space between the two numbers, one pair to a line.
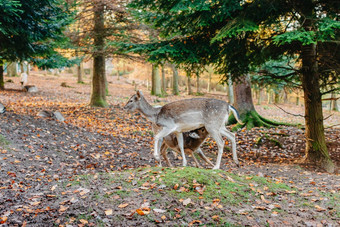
[139,94]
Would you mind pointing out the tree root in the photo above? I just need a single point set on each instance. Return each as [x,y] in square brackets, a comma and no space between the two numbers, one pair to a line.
[252,119]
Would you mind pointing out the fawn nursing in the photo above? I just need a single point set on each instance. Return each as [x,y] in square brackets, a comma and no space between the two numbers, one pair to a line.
[186,115]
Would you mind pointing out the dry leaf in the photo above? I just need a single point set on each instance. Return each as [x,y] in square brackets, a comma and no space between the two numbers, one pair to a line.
[63,208]
[195,222]
[123,205]
[319,209]
[108,212]
[140,212]
[186,201]
[3,219]
[215,217]
[159,210]
[83,221]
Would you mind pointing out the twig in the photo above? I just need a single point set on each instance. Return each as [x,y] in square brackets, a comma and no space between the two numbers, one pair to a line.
[296,115]
[332,126]
[327,117]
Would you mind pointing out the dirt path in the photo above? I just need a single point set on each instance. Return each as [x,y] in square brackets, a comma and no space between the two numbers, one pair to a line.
[39,158]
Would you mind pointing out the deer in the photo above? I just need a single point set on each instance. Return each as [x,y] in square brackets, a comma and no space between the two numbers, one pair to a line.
[192,142]
[186,115]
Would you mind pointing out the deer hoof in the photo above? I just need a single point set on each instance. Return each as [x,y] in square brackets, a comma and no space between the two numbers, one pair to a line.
[157,157]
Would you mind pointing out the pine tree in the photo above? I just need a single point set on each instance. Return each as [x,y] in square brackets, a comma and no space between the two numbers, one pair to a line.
[31,30]
[237,36]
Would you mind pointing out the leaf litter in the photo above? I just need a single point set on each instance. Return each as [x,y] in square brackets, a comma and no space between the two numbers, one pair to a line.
[73,173]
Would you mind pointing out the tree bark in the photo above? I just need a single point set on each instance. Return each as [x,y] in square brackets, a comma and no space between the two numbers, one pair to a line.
[209,82]
[230,91]
[189,83]
[333,104]
[316,149]
[163,81]
[98,95]
[80,73]
[12,69]
[28,68]
[2,82]
[156,81]
[243,100]
[198,90]
[175,89]
[276,97]
[22,70]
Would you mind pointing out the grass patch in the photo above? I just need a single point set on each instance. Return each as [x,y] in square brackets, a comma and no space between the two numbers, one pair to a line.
[3,141]
[198,184]
[215,195]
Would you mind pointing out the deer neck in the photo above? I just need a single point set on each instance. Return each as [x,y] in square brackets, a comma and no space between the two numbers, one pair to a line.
[148,111]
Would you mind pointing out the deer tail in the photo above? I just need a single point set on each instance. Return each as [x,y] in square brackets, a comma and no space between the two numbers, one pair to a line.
[236,114]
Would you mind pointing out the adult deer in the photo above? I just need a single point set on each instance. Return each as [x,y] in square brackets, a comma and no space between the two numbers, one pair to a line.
[186,115]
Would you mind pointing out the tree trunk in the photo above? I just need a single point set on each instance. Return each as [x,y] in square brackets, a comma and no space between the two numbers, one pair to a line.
[276,97]
[243,102]
[163,81]
[98,95]
[269,96]
[22,69]
[316,149]
[333,104]
[80,70]
[198,90]
[156,81]
[209,82]
[12,69]
[189,92]
[28,68]
[285,96]
[175,89]
[2,82]
[231,91]
[243,98]
[259,96]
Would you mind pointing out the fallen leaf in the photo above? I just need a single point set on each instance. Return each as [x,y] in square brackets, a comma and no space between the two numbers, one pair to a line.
[83,221]
[3,219]
[195,222]
[215,217]
[159,210]
[319,209]
[123,205]
[63,208]
[108,212]
[186,201]
[140,212]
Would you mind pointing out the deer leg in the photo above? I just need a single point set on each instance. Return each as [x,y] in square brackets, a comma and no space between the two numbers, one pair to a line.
[195,160]
[158,141]
[164,148]
[231,137]
[219,141]
[201,154]
[179,136]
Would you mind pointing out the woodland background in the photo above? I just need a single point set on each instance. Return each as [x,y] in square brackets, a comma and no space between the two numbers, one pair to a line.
[277,62]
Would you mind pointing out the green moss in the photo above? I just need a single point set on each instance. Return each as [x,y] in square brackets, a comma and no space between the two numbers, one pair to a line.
[99,102]
[252,119]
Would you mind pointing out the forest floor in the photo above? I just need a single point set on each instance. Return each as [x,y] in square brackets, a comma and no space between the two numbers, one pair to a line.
[97,168]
